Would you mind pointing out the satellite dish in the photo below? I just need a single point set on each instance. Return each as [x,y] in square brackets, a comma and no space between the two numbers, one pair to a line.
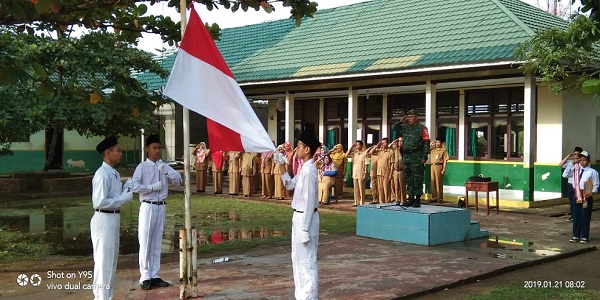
[281,104]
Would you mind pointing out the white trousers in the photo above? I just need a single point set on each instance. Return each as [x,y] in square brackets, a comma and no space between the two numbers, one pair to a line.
[104,229]
[150,230]
[304,258]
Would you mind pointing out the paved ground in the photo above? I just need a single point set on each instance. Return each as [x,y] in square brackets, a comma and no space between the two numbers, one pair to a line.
[350,267]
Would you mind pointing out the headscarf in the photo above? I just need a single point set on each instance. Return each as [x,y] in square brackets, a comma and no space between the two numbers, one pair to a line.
[290,152]
[201,152]
[326,166]
[264,156]
[337,154]
[282,151]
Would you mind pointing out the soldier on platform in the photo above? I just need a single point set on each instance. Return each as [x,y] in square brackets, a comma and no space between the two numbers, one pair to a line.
[414,150]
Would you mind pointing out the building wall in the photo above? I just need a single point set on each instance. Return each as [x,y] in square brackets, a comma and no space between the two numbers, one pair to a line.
[30,156]
[549,126]
[580,124]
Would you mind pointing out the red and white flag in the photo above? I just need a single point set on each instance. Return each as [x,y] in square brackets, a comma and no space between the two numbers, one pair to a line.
[201,81]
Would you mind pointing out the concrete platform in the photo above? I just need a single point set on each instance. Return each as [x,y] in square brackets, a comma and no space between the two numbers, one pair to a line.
[427,225]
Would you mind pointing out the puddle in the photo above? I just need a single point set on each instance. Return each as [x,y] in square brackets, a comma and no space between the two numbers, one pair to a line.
[68,229]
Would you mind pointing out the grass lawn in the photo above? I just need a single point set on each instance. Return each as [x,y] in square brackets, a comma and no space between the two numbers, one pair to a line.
[242,224]
[519,292]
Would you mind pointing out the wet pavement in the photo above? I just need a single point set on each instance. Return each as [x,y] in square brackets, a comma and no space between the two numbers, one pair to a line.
[350,267]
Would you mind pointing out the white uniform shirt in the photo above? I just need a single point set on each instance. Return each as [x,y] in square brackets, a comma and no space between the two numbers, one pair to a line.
[305,189]
[107,188]
[589,173]
[146,174]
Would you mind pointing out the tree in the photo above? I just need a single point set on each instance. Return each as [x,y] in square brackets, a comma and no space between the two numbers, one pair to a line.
[567,58]
[87,83]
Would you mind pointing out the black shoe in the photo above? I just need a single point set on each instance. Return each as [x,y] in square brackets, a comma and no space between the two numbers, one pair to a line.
[159,282]
[146,285]
[417,202]
[409,201]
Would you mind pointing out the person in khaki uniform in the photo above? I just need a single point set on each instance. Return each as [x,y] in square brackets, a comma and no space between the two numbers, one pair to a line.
[256,181]
[338,157]
[325,182]
[358,155]
[398,185]
[385,160]
[248,173]
[439,157]
[235,178]
[280,190]
[201,153]
[218,161]
[373,173]
[266,166]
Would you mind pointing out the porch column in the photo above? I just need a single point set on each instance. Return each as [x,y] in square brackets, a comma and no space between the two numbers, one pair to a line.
[289,118]
[272,121]
[352,115]
[430,109]
[529,138]
[461,125]
[322,120]
[384,118]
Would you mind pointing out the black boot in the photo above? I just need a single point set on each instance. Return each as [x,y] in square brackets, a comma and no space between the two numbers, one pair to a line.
[417,202]
[409,201]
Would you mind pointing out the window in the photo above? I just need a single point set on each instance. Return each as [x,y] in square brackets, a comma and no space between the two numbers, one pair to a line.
[447,120]
[495,123]
[399,104]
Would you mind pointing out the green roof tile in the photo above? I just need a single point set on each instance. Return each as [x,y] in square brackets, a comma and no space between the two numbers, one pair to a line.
[379,35]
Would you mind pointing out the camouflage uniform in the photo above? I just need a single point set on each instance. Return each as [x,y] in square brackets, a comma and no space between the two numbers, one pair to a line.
[414,151]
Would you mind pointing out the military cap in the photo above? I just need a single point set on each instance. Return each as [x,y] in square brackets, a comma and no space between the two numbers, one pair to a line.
[585,154]
[412,112]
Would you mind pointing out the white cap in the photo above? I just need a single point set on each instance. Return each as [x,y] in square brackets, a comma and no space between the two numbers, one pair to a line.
[585,153]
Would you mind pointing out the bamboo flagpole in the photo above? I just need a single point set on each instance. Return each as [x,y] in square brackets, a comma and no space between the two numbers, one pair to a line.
[185,265]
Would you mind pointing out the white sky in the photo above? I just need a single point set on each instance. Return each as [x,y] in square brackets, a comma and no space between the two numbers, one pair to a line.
[226,19]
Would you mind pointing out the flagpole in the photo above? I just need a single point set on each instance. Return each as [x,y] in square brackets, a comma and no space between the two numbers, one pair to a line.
[186,271]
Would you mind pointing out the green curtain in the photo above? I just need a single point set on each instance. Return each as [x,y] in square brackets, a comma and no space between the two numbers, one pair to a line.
[472,142]
[451,141]
[331,138]
[394,134]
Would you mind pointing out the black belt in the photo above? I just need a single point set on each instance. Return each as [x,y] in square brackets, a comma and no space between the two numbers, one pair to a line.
[437,164]
[299,211]
[155,202]
[109,211]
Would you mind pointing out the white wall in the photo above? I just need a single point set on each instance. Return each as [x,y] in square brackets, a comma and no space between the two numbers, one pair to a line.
[549,126]
[579,123]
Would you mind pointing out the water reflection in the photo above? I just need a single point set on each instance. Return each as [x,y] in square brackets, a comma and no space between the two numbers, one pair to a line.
[68,229]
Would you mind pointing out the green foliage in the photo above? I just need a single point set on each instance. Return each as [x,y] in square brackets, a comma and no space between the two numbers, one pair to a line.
[567,58]
[85,83]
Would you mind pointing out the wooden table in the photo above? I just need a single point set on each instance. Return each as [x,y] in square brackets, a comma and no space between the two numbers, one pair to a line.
[486,187]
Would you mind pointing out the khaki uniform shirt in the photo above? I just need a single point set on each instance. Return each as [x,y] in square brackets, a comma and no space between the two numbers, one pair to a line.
[248,164]
[359,164]
[384,159]
[439,155]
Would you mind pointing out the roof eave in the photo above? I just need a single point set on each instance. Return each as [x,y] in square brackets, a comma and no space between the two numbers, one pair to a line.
[350,77]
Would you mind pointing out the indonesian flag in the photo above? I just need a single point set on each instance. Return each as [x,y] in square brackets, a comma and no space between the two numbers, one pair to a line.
[201,81]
